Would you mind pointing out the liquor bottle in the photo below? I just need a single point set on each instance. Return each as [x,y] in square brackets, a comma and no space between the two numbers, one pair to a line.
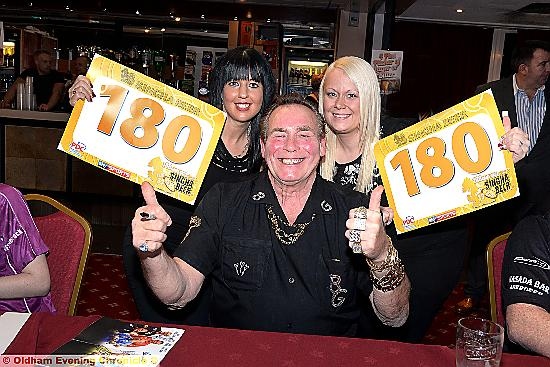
[146,61]
[158,63]
[307,77]
[292,76]
[2,44]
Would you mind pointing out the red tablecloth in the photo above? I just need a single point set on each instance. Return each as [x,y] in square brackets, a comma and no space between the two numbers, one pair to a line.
[201,346]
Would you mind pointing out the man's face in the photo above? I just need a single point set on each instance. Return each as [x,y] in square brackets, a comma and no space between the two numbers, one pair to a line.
[80,65]
[293,147]
[43,64]
[538,70]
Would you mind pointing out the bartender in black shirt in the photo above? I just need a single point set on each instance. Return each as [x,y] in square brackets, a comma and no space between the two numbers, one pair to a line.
[278,245]
[48,84]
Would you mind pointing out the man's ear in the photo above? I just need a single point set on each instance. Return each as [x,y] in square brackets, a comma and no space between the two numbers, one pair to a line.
[522,69]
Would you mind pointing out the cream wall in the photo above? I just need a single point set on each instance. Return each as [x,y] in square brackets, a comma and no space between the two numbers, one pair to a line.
[351,40]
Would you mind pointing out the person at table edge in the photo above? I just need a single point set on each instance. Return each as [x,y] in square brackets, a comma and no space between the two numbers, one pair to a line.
[278,245]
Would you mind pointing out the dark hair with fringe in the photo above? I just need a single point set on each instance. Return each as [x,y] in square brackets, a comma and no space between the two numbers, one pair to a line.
[244,63]
[523,54]
[292,99]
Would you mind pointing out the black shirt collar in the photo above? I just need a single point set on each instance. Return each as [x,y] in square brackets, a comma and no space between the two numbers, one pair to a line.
[319,201]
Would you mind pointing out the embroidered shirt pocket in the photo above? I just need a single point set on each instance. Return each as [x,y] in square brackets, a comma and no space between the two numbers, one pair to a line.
[337,286]
[244,262]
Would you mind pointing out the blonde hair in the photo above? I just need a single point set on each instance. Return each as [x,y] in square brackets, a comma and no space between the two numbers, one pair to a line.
[363,76]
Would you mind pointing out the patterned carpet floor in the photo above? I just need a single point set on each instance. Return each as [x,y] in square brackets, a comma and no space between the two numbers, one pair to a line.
[104,291]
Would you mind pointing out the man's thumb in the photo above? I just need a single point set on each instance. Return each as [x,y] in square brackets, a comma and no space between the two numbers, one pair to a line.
[148,193]
[506,121]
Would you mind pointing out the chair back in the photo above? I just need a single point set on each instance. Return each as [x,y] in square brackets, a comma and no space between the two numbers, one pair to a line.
[495,256]
[68,236]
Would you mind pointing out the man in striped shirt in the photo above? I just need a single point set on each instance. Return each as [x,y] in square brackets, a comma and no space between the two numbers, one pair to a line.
[526,99]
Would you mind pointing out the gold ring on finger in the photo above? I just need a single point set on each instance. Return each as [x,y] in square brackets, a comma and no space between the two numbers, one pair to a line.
[354,235]
[143,247]
[360,213]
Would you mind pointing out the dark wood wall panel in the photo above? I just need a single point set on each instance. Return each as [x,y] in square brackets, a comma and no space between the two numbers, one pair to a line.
[442,65]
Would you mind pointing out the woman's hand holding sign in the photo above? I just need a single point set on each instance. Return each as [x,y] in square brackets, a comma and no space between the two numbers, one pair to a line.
[81,89]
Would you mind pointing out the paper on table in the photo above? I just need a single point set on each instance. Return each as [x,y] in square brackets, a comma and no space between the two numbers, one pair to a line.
[10,324]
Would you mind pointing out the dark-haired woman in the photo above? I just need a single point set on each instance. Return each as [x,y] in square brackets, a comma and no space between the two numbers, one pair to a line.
[242,84]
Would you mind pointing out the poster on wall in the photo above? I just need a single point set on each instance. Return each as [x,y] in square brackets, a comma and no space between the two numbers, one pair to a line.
[388,66]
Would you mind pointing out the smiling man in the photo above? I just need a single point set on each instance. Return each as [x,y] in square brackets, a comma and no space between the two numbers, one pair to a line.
[278,245]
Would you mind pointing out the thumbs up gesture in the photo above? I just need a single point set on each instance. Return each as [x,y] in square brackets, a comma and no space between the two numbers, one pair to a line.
[366,227]
[149,223]
[514,139]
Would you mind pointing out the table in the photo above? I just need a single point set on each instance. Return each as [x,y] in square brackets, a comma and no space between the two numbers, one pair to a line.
[203,346]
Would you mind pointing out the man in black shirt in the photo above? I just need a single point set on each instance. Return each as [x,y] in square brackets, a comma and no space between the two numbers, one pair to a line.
[526,284]
[48,84]
[277,245]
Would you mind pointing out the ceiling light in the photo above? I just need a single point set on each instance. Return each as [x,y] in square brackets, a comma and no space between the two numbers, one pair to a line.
[235,18]
[459,10]
[147,30]
[177,19]
[163,29]
[202,16]
[137,12]
[310,27]
[249,14]
[268,20]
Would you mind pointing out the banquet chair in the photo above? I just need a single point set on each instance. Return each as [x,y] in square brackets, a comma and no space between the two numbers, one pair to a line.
[68,236]
[495,255]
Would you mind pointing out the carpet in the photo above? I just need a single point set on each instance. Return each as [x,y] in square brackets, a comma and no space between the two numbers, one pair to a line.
[104,291]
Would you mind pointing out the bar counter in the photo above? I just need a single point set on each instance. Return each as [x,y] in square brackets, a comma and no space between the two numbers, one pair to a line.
[35,115]
[30,160]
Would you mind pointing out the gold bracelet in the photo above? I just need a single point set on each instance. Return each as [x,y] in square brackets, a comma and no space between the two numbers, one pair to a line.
[390,259]
[391,280]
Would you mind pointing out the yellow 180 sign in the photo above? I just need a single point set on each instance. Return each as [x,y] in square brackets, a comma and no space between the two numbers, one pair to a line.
[447,165]
[143,130]
[147,123]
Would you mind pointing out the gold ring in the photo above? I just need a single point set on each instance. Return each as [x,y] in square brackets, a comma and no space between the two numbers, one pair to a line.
[354,235]
[143,247]
[360,212]
[356,248]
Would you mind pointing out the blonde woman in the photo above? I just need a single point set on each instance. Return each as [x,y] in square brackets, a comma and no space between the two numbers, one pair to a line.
[349,99]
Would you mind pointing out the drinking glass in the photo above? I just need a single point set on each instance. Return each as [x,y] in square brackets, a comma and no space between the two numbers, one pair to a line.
[478,343]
